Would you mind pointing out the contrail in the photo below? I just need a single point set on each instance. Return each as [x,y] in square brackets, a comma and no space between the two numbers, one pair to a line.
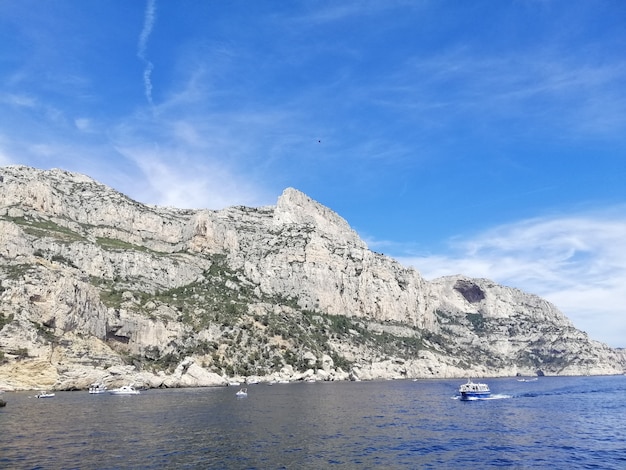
[148,23]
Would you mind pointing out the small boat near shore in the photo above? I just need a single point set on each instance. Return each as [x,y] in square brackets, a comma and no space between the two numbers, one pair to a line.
[125,390]
[242,392]
[97,387]
[474,391]
[44,395]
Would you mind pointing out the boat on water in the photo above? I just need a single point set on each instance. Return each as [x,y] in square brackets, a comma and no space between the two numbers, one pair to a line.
[473,391]
[533,379]
[125,390]
[97,387]
[44,395]
[242,392]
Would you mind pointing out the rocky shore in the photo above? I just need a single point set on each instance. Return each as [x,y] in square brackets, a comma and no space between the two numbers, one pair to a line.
[97,287]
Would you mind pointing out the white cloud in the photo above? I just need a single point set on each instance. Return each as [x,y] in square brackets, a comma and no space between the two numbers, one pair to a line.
[193,154]
[533,89]
[83,124]
[576,262]
[19,100]
[179,181]
[338,11]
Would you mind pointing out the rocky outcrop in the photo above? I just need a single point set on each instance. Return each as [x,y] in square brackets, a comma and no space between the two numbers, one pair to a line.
[97,287]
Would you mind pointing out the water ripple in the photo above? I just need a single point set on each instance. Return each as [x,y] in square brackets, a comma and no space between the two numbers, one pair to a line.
[550,423]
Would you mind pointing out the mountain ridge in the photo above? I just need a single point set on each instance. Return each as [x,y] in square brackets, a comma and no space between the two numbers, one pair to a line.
[96,286]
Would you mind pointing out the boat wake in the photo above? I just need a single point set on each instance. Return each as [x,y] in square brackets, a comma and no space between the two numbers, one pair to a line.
[499,396]
[496,396]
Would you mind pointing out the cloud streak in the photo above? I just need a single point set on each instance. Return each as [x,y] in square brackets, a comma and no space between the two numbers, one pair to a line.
[193,157]
[148,24]
[490,87]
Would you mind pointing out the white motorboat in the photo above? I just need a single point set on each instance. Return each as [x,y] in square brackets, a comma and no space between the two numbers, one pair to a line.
[473,391]
[125,390]
[242,392]
[97,387]
[44,395]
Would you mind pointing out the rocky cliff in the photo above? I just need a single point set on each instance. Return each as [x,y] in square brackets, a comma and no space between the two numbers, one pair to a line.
[98,287]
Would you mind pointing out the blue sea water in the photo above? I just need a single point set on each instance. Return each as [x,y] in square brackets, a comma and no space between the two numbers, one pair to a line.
[554,422]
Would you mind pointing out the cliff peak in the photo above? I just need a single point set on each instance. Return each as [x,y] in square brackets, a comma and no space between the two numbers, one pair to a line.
[295,207]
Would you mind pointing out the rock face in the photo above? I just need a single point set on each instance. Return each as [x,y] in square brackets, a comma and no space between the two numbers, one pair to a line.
[98,287]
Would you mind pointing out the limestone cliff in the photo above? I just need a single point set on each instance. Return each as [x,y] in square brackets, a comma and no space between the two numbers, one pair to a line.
[96,286]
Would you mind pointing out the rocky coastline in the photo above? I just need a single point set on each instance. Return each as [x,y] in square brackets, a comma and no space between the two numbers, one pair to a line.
[97,287]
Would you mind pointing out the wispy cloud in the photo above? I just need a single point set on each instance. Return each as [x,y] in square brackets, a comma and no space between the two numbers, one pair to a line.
[191,155]
[148,24]
[83,124]
[186,181]
[18,100]
[577,262]
[532,87]
[337,11]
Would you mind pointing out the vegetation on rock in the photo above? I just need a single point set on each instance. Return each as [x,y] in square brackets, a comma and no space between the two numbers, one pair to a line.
[91,280]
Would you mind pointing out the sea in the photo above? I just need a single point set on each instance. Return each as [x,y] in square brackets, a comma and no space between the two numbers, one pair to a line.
[552,422]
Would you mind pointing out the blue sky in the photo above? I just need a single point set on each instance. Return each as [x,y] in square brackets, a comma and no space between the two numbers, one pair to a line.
[486,138]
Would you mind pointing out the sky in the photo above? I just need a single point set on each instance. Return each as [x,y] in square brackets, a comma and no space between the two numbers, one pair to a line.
[483,138]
